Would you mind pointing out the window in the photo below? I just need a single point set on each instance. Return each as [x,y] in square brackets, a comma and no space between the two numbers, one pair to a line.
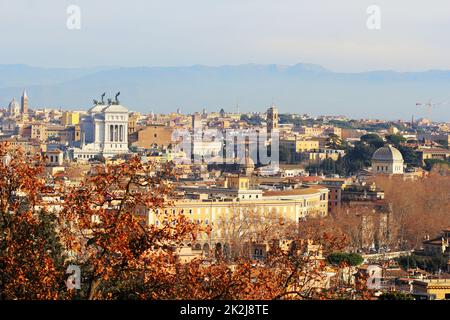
[111,133]
[258,252]
[120,133]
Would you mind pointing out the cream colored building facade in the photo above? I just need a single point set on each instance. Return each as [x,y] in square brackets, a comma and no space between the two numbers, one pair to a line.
[241,207]
[436,289]
[292,146]
[104,132]
[319,131]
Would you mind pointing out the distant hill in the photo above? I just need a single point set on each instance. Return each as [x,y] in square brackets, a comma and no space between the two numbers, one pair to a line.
[22,75]
[300,88]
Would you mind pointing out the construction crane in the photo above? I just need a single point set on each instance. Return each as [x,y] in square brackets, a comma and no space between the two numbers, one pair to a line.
[429,106]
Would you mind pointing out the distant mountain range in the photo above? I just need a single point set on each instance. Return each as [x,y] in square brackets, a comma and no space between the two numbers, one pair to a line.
[300,88]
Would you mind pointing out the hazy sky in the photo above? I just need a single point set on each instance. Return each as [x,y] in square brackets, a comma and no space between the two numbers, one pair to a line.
[414,34]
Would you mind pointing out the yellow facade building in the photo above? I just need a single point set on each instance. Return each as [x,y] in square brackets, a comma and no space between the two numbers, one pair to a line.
[235,206]
[291,147]
[436,289]
[70,118]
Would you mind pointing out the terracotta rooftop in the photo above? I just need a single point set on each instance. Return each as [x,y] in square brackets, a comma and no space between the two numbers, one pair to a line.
[54,151]
[434,150]
[292,192]
[306,179]
[395,273]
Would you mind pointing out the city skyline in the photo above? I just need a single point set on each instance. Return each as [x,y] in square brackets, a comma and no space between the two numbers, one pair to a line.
[358,58]
[233,153]
[301,88]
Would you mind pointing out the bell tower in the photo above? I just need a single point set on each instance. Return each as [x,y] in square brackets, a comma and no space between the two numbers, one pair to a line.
[272,119]
[24,103]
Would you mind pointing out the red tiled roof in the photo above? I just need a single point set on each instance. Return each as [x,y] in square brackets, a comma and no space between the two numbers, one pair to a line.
[434,150]
[395,273]
[306,179]
[292,192]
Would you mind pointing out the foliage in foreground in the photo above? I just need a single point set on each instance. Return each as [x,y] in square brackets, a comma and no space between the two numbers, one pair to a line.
[123,257]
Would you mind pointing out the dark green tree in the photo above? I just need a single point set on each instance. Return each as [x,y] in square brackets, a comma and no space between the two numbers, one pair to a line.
[395,139]
[373,140]
[352,259]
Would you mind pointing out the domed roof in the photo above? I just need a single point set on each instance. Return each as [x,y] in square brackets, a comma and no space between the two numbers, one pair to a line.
[115,108]
[387,153]
[13,104]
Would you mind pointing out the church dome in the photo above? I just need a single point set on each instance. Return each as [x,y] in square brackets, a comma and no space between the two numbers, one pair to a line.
[13,104]
[387,153]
